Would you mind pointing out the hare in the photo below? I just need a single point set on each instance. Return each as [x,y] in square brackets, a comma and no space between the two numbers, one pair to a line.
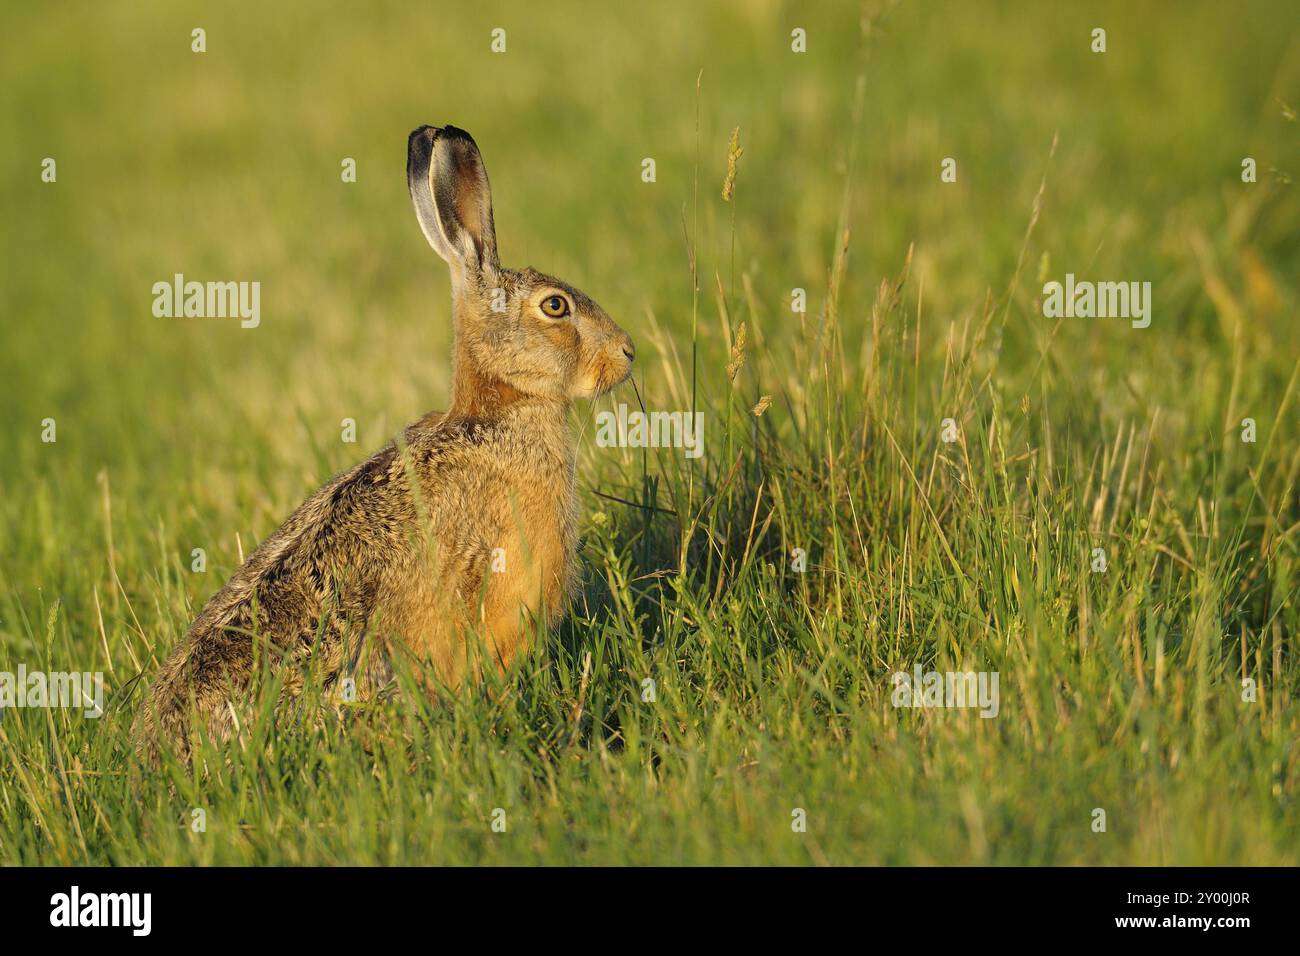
[400,554]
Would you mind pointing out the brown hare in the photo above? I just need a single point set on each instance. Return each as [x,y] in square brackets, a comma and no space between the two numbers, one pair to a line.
[400,554]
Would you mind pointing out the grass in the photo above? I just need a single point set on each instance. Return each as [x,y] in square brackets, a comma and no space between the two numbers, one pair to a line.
[1120,689]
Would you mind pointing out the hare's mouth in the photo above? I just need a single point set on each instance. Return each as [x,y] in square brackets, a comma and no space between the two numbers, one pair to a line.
[616,373]
[603,376]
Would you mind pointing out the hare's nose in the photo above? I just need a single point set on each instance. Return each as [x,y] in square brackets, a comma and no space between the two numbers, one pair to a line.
[629,349]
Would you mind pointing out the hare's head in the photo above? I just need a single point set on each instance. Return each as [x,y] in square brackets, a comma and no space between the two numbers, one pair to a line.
[518,327]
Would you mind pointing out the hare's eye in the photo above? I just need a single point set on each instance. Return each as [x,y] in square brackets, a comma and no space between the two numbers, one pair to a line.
[555,306]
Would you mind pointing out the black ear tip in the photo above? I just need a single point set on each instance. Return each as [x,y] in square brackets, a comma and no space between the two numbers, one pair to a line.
[424,136]
[455,132]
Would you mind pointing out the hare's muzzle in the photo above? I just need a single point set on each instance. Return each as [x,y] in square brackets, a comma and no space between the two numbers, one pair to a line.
[622,345]
[610,363]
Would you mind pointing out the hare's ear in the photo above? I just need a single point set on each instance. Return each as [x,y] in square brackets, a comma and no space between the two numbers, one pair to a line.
[453,201]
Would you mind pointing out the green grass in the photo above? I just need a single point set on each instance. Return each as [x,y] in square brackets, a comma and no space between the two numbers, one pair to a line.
[1120,690]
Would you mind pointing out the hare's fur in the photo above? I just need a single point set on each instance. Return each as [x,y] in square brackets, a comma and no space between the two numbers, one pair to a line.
[397,554]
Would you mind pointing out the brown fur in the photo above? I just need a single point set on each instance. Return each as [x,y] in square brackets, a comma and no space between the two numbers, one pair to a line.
[395,555]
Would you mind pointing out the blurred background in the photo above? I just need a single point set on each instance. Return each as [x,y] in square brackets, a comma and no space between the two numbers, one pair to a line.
[225,165]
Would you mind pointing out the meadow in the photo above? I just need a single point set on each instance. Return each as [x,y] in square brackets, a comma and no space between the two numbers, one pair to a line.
[919,469]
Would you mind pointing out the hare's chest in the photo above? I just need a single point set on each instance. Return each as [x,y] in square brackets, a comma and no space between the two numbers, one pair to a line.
[533,558]
[499,560]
